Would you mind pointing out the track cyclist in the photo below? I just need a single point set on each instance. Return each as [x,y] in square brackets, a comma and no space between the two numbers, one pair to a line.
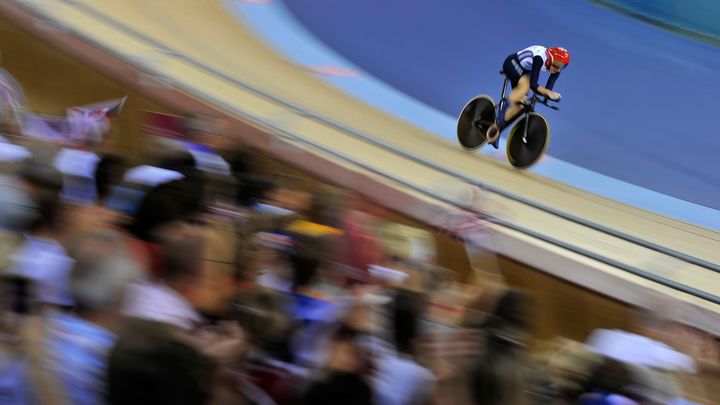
[523,71]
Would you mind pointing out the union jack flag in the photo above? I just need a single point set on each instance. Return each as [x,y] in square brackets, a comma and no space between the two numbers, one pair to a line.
[81,126]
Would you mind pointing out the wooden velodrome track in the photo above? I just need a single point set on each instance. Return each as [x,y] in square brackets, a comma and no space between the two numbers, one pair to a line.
[202,51]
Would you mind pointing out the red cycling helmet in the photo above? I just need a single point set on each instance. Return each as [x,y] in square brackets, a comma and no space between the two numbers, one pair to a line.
[558,57]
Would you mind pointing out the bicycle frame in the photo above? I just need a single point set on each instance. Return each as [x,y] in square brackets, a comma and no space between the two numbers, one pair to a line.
[522,114]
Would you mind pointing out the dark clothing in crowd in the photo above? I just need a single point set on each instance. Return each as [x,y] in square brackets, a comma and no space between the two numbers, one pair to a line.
[152,365]
[339,388]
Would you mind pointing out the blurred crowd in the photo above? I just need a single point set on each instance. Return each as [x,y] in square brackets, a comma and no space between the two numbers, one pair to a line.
[192,275]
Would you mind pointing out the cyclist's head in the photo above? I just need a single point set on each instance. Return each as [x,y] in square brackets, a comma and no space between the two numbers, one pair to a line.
[557,57]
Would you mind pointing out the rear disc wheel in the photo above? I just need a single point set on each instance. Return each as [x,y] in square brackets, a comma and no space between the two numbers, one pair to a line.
[474,120]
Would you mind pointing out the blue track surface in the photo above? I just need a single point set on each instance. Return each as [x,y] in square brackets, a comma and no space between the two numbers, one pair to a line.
[639,102]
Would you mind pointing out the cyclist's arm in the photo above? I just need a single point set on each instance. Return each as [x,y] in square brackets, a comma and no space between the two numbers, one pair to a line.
[551,80]
[537,65]
[535,74]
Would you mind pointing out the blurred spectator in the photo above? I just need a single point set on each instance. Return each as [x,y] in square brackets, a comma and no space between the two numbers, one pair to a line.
[151,365]
[505,373]
[316,317]
[610,383]
[399,379]
[188,193]
[78,169]
[644,347]
[179,199]
[18,210]
[62,353]
[44,183]
[408,244]
[42,258]
[69,362]
[262,315]
[170,163]
[11,154]
[341,380]
[326,206]
[108,173]
[136,183]
[305,266]
[273,272]
[570,366]
[161,205]
[163,355]
[289,194]
[13,309]
[359,247]
[180,161]
[252,187]
[169,298]
[339,387]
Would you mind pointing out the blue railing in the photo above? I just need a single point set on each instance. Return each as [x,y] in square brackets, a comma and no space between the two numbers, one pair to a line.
[691,17]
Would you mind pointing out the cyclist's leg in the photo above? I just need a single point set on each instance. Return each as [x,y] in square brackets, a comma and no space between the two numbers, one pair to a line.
[517,95]
[513,72]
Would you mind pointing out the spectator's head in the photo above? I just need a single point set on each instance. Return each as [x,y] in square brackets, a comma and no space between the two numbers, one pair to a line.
[103,269]
[158,207]
[108,172]
[571,367]
[500,306]
[177,200]
[16,295]
[44,183]
[613,377]
[326,206]
[304,267]
[241,161]
[289,193]
[179,161]
[197,260]
[252,189]
[514,308]
[183,247]
[262,316]
[408,309]
[508,327]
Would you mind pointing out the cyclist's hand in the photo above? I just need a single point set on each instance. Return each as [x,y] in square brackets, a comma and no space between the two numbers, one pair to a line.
[554,95]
